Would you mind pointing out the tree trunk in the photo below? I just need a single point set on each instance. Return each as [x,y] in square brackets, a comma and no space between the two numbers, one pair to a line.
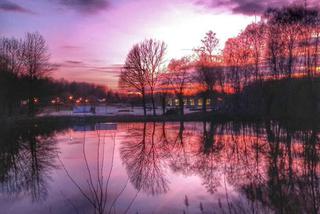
[204,102]
[30,99]
[163,103]
[181,104]
[153,104]
[212,100]
[144,104]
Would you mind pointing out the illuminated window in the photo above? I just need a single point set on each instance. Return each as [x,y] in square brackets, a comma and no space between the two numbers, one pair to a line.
[185,102]
[170,102]
[176,102]
[208,102]
[318,69]
[200,102]
[192,102]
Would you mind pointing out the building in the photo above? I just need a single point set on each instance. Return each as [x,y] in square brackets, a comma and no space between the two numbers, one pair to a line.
[191,102]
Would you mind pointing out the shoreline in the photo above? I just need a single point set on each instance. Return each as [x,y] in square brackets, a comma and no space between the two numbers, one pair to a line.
[191,117]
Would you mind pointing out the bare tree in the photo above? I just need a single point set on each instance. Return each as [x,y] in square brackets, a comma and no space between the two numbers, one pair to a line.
[207,66]
[143,67]
[209,44]
[275,51]
[310,40]
[153,55]
[316,36]
[255,33]
[10,64]
[236,58]
[288,23]
[179,77]
[11,51]
[35,62]
[134,74]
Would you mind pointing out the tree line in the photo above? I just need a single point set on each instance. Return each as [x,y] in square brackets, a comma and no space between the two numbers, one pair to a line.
[283,44]
[25,82]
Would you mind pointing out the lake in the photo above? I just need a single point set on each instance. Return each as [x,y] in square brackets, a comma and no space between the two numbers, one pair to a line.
[190,167]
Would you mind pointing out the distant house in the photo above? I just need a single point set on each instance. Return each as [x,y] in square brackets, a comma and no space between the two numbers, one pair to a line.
[195,102]
[81,109]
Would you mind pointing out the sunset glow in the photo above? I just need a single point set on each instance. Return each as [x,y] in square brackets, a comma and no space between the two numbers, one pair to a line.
[159,106]
[90,43]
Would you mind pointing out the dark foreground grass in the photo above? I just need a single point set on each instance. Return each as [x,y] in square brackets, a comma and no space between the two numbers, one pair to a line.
[197,116]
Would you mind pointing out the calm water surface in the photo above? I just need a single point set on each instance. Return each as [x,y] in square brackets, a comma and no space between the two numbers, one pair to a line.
[159,168]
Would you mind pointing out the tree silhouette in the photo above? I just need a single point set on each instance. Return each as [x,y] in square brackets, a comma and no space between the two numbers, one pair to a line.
[27,159]
[35,62]
[179,76]
[209,44]
[144,160]
[142,69]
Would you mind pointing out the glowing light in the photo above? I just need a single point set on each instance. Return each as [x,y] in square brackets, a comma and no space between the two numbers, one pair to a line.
[192,102]
[70,97]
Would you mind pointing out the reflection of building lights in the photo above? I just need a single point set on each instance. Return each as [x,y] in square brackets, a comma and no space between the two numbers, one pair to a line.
[315,35]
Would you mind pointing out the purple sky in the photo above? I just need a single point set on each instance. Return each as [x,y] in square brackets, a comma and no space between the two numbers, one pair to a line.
[89,39]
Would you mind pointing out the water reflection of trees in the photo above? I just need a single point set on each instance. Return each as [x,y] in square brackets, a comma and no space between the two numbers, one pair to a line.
[272,165]
[144,156]
[95,183]
[26,158]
